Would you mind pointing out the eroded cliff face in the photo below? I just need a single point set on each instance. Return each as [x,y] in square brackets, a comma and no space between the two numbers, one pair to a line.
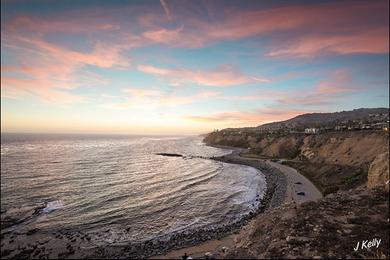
[333,161]
[378,173]
[349,148]
[355,148]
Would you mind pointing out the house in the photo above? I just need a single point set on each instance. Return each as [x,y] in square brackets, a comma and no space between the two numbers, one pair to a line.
[312,130]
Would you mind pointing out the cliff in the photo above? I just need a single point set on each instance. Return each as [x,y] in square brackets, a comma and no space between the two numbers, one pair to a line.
[333,160]
[329,228]
[351,168]
[378,173]
[354,148]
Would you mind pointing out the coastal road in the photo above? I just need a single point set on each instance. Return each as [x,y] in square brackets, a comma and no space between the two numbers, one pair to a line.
[297,183]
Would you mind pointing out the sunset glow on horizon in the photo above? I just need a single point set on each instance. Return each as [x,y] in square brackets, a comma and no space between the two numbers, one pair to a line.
[187,67]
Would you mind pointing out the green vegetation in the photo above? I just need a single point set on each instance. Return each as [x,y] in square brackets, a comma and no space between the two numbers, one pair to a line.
[330,178]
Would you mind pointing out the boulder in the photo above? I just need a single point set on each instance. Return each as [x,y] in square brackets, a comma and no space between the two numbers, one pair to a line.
[378,172]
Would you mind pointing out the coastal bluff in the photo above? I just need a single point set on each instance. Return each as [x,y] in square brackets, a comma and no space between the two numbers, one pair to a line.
[351,168]
[328,228]
[333,160]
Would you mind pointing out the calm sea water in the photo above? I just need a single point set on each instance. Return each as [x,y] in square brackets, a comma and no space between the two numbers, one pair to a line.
[117,188]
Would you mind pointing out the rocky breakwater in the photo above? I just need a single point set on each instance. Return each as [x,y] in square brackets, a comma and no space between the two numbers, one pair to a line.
[78,245]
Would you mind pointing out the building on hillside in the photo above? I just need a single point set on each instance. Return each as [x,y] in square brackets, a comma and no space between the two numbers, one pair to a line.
[312,130]
[380,125]
[340,127]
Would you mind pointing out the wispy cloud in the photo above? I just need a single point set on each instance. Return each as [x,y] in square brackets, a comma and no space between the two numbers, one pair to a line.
[298,30]
[247,118]
[152,99]
[281,105]
[164,35]
[166,9]
[52,70]
[338,86]
[44,26]
[15,88]
[219,77]
[372,41]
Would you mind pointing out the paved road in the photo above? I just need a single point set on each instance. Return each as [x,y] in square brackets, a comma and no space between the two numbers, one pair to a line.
[297,183]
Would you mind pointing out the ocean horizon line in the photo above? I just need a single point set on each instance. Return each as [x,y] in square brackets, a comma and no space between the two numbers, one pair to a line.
[97,134]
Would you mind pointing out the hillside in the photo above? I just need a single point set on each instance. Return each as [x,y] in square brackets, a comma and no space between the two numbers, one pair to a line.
[330,119]
[350,168]
[328,228]
[333,160]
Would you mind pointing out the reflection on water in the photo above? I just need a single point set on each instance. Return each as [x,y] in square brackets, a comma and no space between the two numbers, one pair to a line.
[109,184]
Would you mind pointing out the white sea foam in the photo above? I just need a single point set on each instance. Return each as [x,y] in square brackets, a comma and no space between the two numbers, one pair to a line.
[52,205]
[119,189]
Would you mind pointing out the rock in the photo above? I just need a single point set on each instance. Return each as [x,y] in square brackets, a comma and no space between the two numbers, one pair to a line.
[297,240]
[31,231]
[378,173]
[347,231]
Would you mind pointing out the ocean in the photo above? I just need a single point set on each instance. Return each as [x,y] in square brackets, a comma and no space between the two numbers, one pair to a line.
[117,189]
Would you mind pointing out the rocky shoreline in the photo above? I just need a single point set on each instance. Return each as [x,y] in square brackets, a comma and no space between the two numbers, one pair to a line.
[274,196]
[276,180]
[80,248]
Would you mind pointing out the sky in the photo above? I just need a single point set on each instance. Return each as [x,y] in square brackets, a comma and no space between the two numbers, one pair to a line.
[187,67]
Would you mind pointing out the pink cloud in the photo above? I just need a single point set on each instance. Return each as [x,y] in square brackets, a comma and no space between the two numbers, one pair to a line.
[53,70]
[178,37]
[337,86]
[16,88]
[220,77]
[340,82]
[35,24]
[164,35]
[137,92]
[300,31]
[247,118]
[376,41]
[147,99]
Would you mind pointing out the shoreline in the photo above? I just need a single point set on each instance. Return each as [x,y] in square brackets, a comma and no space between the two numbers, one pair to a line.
[280,181]
[73,244]
[195,242]
[274,196]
